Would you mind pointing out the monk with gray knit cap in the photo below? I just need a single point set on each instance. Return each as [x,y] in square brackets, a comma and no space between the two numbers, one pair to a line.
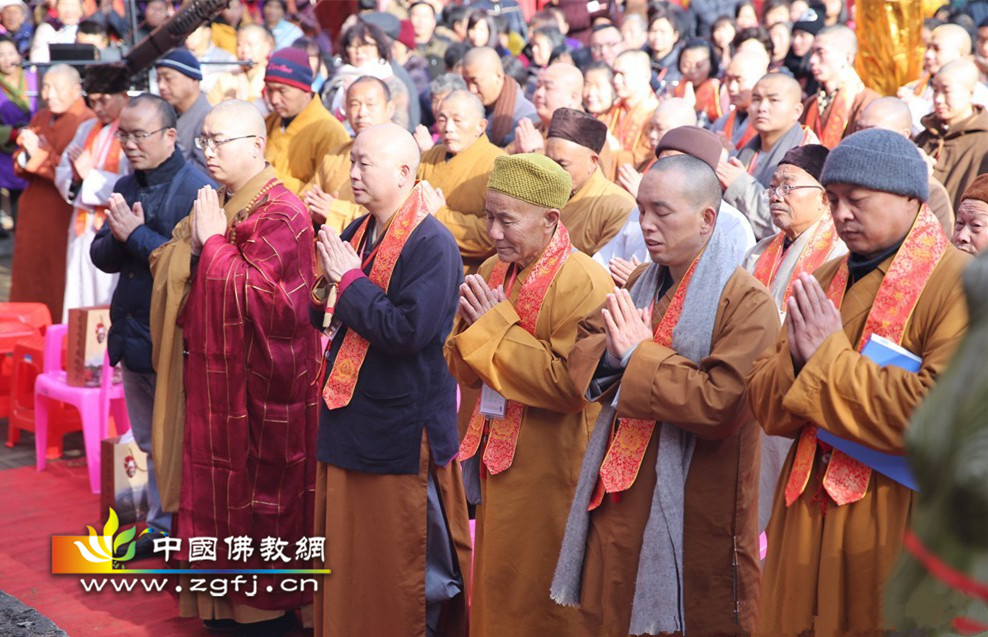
[866,336]
[662,535]
[529,423]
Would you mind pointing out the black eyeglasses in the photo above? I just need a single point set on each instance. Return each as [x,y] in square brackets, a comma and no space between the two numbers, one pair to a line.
[203,143]
[124,137]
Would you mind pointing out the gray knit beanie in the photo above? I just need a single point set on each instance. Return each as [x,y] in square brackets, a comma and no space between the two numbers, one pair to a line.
[878,159]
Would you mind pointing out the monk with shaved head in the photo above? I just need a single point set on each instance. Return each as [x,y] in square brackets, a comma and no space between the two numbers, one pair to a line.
[746,68]
[504,100]
[559,85]
[458,168]
[389,497]
[948,42]
[892,113]
[956,132]
[831,112]
[230,324]
[328,194]
[635,104]
[774,109]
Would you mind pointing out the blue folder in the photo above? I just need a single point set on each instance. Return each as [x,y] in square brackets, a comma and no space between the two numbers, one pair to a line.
[884,352]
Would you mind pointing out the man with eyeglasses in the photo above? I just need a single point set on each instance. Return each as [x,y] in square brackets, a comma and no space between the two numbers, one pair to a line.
[606,42]
[142,212]
[300,131]
[806,240]
[85,177]
[230,324]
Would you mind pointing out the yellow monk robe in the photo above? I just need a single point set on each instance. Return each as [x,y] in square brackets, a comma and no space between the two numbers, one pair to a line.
[825,571]
[333,177]
[521,521]
[246,85]
[463,180]
[720,537]
[296,151]
[629,126]
[596,213]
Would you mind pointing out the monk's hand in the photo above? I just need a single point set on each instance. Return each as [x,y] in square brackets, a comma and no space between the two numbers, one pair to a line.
[318,203]
[477,298]
[434,198]
[729,171]
[209,219]
[83,163]
[29,141]
[621,269]
[336,255]
[624,324]
[811,319]
[423,138]
[629,178]
[527,138]
[122,218]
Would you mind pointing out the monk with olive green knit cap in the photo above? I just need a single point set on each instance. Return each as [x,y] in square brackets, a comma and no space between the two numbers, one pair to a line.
[515,325]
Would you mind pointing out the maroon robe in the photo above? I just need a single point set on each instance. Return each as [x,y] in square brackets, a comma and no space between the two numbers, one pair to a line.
[248,457]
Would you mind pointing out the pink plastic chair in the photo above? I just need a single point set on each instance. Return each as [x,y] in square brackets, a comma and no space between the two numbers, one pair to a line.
[93,403]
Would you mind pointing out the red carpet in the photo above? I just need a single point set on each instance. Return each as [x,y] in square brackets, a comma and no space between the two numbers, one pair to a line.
[57,501]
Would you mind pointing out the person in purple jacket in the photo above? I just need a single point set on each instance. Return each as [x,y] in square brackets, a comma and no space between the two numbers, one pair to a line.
[17,105]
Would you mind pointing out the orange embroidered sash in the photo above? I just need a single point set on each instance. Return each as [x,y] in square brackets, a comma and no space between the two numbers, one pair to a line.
[628,124]
[829,126]
[623,459]
[502,433]
[845,479]
[707,97]
[342,380]
[749,134]
[106,157]
[812,257]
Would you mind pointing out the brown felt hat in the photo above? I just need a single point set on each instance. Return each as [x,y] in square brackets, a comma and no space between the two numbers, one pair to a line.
[579,127]
[695,141]
[978,189]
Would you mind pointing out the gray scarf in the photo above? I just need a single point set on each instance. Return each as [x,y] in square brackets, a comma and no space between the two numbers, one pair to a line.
[658,601]
[768,162]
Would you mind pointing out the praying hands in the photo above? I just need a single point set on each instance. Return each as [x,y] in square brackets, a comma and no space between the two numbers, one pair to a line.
[476,298]
[624,324]
[810,320]
[336,255]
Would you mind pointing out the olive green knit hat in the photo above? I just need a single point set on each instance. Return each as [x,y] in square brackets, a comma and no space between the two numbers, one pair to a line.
[533,178]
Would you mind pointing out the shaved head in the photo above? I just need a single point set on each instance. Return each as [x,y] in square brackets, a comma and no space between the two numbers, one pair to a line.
[955,34]
[63,73]
[467,100]
[482,57]
[235,117]
[632,72]
[483,73]
[783,84]
[384,162]
[560,85]
[635,57]
[745,69]
[840,37]
[368,103]
[460,120]
[235,136]
[953,91]
[776,104]
[964,72]
[948,42]
[889,113]
[674,112]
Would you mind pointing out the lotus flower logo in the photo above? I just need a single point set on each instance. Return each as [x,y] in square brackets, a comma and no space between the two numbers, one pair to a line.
[102,548]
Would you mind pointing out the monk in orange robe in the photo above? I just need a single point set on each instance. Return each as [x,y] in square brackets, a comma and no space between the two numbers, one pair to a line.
[38,269]
[839,515]
[627,119]
[670,542]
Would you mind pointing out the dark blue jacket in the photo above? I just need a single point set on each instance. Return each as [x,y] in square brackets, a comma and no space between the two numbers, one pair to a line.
[404,384]
[167,194]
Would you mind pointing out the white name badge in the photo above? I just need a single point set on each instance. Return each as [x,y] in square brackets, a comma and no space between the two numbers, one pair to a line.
[593,6]
[491,403]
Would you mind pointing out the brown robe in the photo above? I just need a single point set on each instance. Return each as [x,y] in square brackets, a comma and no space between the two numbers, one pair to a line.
[961,151]
[824,573]
[521,521]
[41,240]
[720,528]
[596,213]
[463,179]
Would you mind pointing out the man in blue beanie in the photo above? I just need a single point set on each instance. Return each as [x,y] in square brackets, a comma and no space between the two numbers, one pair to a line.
[839,515]
[179,75]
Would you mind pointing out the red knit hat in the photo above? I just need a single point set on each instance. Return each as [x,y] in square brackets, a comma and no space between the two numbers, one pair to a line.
[290,66]
[407,34]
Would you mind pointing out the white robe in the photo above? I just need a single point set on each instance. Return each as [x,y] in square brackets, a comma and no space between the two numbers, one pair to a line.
[85,284]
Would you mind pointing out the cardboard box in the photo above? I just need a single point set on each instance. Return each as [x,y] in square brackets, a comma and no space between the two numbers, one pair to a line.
[123,480]
[86,345]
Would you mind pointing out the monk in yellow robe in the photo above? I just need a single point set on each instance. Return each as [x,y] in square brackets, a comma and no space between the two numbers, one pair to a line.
[459,168]
[300,130]
[329,195]
[516,324]
[662,535]
[627,119]
[254,44]
[838,522]
[598,208]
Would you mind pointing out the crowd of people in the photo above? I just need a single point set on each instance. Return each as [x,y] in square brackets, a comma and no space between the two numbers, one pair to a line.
[618,281]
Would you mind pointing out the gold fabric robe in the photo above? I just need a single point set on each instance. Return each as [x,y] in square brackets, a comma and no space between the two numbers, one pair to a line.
[246,85]
[333,177]
[629,125]
[463,179]
[824,573]
[520,524]
[298,150]
[596,213]
[720,534]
